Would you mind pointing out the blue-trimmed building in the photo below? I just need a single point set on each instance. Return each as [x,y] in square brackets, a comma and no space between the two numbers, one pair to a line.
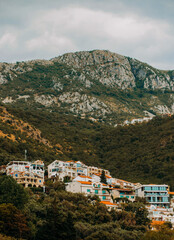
[156,195]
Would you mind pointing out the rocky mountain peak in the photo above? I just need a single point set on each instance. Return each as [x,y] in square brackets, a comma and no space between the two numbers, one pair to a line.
[96,84]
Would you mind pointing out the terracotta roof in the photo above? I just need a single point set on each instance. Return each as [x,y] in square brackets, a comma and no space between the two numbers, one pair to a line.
[108,203]
[84,176]
[84,182]
[171,193]
[154,222]
[123,181]
[99,174]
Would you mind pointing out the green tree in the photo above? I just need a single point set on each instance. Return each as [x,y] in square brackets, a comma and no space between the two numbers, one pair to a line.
[12,221]
[103,177]
[140,211]
[12,192]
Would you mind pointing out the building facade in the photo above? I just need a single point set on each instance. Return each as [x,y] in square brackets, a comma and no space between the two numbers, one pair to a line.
[90,188]
[123,193]
[156,195]
[29,174]
[68,169]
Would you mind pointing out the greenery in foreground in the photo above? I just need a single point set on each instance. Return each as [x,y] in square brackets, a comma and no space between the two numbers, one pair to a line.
[62,215]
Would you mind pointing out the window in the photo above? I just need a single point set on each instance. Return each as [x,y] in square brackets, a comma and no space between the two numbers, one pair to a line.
[98,185]
[88,190]
[104,197]
[103,191]
[147,188]
[96,191]
[132,196]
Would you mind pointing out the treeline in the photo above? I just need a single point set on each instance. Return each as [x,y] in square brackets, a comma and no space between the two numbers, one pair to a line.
[140,153]
[59,215]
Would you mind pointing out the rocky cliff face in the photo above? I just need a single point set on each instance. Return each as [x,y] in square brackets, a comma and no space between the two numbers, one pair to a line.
[100,85]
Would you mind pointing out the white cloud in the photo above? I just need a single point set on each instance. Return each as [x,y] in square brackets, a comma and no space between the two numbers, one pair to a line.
[70,29]
[7,40]
[51,32]
[51,42]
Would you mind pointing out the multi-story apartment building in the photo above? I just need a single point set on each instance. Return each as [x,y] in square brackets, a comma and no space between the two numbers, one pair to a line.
[68,169]
[161,214]
[123,193]
[90,188]
[29,179]
[27,173]
[24,166]
[123,183]
[96,170]
[156,195]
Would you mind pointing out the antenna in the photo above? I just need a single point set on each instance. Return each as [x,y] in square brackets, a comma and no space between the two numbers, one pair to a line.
[25,155]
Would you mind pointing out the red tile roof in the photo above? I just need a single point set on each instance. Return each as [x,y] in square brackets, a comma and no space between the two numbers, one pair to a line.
[154,222]
[84,176]
[84,182]
[108,203]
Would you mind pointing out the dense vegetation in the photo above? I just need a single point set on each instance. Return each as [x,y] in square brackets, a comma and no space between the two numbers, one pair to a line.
[62,215]
[139,153]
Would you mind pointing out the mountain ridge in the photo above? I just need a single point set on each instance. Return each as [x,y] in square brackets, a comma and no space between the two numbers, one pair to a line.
[98,84]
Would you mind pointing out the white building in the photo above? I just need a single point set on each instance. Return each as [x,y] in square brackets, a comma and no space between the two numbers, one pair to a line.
[27,173]
[69,169]
[161,214]
[95,170]
[97,178]
[90,188]
[36,167]
[155,194]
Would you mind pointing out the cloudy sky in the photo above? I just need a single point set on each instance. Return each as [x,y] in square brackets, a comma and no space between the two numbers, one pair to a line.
[37,29]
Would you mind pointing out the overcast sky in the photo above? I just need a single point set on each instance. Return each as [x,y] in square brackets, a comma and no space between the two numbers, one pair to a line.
[37,29]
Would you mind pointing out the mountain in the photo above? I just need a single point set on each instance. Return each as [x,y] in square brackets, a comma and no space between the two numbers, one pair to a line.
[98,85]
[138,153]
[68,107]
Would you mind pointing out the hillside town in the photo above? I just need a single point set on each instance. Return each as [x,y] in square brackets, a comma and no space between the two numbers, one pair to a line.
[90,180]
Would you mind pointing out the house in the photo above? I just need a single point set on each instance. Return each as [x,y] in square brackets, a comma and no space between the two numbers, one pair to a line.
[123,193]
[97,177]
[27,173]
[124,184]
[161,214]
[28,179]
[24,166]
[90,188]
[83,178]
[68,169]
[110,205]
[155,194]
[95,170]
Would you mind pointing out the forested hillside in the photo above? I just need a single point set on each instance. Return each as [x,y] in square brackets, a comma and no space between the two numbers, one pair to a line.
[138,153]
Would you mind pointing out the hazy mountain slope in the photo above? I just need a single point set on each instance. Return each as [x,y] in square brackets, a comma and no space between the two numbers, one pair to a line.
[99,84]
